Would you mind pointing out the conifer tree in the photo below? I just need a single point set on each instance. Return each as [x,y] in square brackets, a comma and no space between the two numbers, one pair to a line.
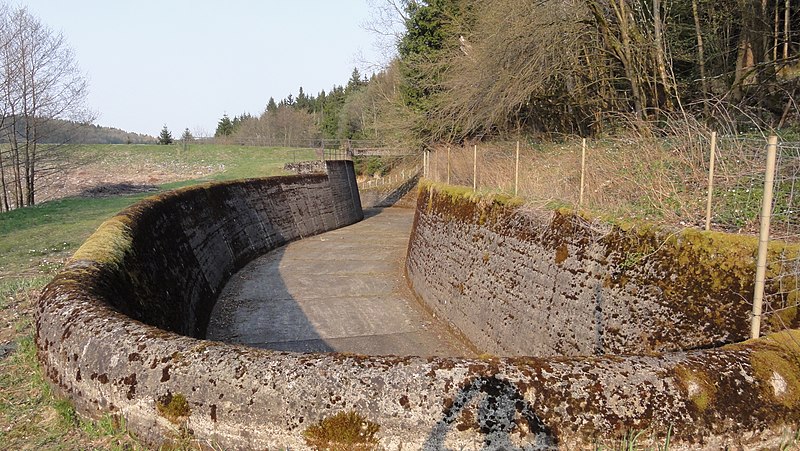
[165,137]
[224,127]
[187,135]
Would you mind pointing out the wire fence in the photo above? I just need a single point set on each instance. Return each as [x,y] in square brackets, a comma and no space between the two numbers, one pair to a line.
[396,177]
[357,147]
[698,181]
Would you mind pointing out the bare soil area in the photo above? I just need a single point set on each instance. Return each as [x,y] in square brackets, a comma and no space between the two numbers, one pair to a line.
[103,179]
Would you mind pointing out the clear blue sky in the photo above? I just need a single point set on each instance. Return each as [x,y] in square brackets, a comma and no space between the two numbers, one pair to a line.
[184,63]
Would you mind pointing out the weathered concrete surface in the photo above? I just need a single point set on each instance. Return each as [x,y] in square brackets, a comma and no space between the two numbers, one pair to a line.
[402,194]
[341,291]
[525,282]
[162,260]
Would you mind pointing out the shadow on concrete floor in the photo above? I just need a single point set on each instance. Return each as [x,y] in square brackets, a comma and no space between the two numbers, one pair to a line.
[340,291]
[258,310]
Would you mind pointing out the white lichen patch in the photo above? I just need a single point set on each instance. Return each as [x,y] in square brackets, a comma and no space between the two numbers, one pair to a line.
[693,389]
[778,384]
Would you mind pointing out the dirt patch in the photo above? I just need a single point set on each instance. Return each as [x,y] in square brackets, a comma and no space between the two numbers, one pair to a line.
[116,189]
[102,179]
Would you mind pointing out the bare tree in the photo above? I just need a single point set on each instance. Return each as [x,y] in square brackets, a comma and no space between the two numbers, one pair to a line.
[787,23]
[41,82]
[285,126]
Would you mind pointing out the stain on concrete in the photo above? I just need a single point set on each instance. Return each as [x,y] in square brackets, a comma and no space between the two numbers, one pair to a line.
[147,283]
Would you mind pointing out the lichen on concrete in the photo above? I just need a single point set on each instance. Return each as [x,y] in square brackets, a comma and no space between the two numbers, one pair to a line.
[613,347]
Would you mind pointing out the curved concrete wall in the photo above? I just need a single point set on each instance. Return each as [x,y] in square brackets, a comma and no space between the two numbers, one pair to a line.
[244,398]
[521,282]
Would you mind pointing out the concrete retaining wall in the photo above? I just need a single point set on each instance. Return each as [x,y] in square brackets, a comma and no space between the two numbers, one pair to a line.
[521,282]
[166,384]
[401,194]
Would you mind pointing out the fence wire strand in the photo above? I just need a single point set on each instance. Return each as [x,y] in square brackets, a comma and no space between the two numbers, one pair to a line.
[663,181]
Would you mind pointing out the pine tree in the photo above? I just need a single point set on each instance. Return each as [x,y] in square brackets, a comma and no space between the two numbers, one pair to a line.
[303,101]
[355,83]
[429,27]
[165,137]
[272,107]
[187,136]
[224,127]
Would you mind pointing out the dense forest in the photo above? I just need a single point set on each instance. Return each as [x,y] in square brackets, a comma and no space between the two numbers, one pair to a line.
[480,69]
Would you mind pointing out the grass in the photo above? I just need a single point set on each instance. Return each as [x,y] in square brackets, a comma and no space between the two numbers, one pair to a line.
[34,244]
[663,180]
[637,441]
[33,240]
[228,161]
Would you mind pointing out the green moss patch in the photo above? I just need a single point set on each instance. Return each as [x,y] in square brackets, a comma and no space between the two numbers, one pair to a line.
[462,193]
[776,363]
[343,431]
[109,244]
[175,408]
[698,385]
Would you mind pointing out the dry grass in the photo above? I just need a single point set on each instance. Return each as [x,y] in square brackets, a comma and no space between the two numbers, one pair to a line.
[658,179]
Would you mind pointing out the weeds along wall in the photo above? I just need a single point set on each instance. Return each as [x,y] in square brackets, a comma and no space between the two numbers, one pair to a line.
[171,386]
[521,282]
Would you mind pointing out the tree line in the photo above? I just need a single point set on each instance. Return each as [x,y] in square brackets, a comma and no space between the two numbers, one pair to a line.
[476,69]
[300,118]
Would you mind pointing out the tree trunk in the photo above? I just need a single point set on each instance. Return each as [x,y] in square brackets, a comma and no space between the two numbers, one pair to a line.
[3,187]
[750,48]
[16,163]
[620,47]
[28,159]
[32,169]
[628,61]
[764,26]
[776,31]
[660,53]
[701,58]
[787,21]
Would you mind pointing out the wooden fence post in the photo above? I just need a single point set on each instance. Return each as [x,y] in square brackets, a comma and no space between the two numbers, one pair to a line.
[448,165]
[516,172]
[435,166]
[475,169]
[711,160]
[763,237]
[583,170]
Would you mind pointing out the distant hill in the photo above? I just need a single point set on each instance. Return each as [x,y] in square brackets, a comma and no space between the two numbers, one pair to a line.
[59,131]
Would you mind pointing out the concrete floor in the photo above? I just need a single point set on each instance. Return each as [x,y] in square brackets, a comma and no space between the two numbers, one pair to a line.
[342,291]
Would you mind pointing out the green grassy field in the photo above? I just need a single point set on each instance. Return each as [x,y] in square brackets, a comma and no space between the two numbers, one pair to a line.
[34,244]
[32,239]
[236,161]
